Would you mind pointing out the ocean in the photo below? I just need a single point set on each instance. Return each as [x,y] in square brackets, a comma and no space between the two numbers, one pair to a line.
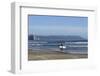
[71,46]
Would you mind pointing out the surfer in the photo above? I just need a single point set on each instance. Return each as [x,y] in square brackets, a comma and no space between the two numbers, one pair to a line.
[62,47]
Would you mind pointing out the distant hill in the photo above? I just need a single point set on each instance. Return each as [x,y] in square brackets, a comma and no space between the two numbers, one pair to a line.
[56,38]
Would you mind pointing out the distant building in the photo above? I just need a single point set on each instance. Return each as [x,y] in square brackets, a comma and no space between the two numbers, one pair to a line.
[35,37]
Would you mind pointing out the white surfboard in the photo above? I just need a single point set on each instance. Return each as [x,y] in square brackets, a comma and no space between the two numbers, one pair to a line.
[62,47]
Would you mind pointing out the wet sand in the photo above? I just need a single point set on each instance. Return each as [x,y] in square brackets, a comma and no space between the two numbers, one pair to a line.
[53,55]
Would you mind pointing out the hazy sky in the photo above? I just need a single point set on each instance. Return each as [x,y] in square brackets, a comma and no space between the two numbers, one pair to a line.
[58,25]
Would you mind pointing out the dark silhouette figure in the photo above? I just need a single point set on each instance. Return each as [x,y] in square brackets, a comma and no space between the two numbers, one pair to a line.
[61,46]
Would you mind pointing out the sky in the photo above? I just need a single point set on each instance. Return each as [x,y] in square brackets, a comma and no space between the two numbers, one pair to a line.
[58,25]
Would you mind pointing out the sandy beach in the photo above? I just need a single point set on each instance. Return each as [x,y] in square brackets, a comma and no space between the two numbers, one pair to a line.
[53,55]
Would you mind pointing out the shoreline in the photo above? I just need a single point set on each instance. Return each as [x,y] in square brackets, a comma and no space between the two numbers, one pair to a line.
[53,55]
